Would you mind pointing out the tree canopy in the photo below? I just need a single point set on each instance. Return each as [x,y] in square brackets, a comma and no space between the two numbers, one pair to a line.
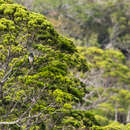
[41,94]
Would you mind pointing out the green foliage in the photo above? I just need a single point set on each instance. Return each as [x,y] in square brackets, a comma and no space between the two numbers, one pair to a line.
[45,94]
[112,126]
[79,119]
[110,61]
[107,76]
[46,89]
[101,120]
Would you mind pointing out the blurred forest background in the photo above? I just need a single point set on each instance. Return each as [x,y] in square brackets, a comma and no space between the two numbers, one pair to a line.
[101,31]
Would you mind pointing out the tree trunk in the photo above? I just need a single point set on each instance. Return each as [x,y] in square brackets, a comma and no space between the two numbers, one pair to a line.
[116,114]
[128,115]
[1,91]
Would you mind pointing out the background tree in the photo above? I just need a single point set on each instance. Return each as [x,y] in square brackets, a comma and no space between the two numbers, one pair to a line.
[108,83]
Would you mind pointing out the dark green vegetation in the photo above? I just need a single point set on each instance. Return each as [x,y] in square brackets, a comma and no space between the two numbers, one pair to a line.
[39,95]
[60,90]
